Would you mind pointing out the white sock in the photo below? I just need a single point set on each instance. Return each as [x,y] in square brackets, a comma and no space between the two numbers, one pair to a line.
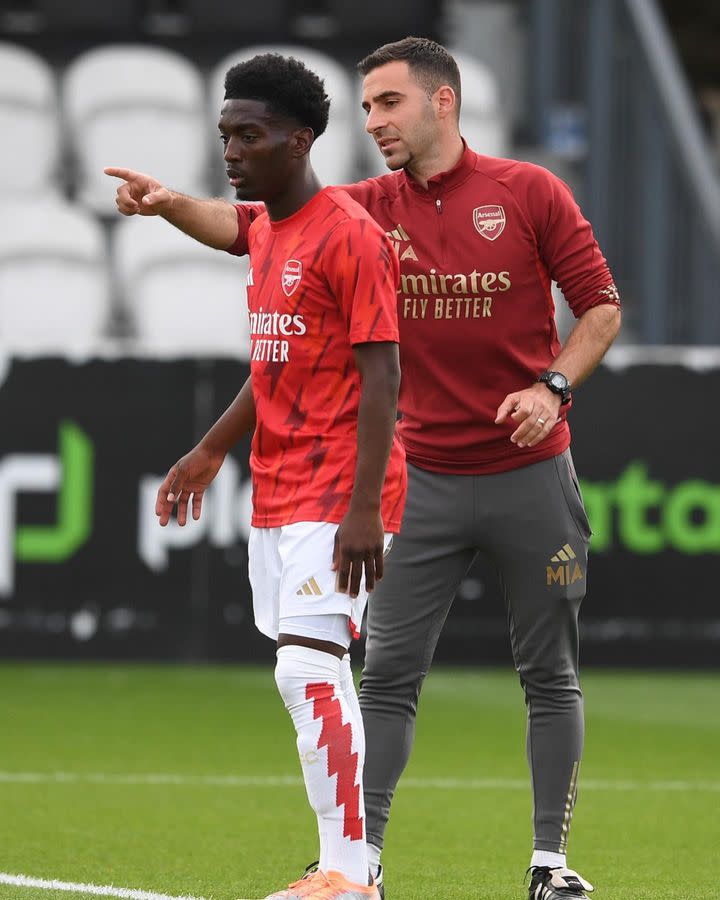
[331,744]
[549,859]
[348,686]
[373,853]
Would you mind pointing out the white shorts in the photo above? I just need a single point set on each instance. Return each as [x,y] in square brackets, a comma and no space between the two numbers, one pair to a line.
[291,576]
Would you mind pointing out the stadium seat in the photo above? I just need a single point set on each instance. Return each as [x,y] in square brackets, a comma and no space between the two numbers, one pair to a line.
[54,285]
[28,123]
[185,299]
[333,155]
[481,123]
[139,107]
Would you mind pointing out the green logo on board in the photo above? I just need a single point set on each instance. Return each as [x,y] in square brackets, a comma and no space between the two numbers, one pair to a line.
[69,474]
[646,516]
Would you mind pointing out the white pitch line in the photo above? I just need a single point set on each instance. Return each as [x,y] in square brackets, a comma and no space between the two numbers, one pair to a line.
[275,781]
[101,890]
[153,778]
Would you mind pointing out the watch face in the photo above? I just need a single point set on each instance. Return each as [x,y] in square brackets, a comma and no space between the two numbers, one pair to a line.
[558,381]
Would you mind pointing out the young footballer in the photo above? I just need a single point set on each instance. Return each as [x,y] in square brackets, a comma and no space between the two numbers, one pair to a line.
[328,475]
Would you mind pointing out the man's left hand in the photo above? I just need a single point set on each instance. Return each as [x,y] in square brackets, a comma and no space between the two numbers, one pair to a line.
[535,410]
[359,543]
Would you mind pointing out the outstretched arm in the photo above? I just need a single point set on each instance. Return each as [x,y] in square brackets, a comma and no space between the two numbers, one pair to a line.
[212,222]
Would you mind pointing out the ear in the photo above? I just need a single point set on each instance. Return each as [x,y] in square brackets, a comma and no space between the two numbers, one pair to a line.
[444,101]
[301,141]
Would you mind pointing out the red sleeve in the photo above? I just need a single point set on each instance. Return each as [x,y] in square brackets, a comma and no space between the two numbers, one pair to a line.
[361,192]
[246,215]
[567,244]
[373,191]
[363,272]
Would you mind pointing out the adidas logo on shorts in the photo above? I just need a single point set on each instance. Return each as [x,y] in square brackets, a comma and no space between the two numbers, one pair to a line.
[309,587]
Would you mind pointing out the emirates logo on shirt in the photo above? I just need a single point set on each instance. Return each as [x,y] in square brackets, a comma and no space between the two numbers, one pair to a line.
[291,275]
[489,221]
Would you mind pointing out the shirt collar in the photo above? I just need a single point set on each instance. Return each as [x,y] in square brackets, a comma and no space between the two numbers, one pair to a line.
[447,180]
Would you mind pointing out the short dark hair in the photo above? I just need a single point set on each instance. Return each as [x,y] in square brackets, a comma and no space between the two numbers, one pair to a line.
[429,62]
[285,84]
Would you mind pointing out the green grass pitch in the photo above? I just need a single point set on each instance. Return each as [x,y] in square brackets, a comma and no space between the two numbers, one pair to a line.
[647,824]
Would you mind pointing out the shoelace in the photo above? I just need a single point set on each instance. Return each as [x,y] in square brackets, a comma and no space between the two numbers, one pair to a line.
[531,870]
[307,884]
[541,872]
[324,892]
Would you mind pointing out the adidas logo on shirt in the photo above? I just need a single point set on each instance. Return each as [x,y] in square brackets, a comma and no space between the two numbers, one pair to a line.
[399,236]
[567,572]
[309,587]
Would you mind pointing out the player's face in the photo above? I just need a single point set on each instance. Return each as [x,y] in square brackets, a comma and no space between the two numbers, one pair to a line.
[401,115]
[258,157]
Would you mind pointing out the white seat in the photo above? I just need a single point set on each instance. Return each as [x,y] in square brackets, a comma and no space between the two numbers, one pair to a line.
[184,298]
[54,285]
[138,107]
[29,123]
[333,154]
[481,123]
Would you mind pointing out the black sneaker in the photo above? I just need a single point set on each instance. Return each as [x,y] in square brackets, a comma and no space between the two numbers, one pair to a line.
[557,884]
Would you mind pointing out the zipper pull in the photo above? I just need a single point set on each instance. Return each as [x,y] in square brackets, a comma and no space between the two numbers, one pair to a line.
[438,205]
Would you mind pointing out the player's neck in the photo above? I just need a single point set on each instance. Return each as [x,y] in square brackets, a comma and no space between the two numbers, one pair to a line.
[444,155]
[299,191]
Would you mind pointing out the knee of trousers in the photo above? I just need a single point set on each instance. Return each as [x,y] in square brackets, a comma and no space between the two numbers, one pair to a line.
[557,688]
[391,689]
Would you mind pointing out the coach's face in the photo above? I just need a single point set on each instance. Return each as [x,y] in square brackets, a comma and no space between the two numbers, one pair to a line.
[402,116]
[260,149]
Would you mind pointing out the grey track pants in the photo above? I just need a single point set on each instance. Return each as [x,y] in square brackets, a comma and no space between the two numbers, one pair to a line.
[532,524]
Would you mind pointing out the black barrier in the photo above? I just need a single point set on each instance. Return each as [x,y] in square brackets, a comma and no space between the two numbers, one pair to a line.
[85,571]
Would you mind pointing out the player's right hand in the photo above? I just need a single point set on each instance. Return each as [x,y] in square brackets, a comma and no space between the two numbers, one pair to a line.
[140,195]
[190,476]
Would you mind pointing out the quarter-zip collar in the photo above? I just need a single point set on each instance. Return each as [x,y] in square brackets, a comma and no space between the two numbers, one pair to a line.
[445,181]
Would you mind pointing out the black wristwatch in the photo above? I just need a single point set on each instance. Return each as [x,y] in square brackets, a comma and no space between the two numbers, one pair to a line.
[558,384]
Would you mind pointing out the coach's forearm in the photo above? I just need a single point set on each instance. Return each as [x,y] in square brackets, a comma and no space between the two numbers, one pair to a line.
[237,421]
[588,342]
[212,222]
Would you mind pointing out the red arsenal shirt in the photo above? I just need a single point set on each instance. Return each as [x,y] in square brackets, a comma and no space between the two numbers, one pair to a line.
[478,250]
[320,281]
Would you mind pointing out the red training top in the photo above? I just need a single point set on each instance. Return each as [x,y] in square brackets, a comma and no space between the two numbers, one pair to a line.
[320,281]
[478,250]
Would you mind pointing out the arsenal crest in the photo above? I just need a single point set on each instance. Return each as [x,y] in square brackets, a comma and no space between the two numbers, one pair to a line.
[291,275]
[489,221]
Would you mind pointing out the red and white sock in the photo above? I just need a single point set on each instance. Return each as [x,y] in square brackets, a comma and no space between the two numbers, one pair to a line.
[348,688]
[331,744]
